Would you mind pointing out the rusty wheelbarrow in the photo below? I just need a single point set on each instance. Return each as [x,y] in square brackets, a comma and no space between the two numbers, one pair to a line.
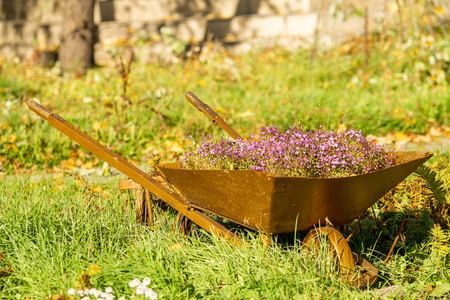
[259,201]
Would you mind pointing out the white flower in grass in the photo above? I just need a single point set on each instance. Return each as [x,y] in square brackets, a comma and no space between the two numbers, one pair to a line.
[97,293]
[152,294]
[110,297]
[86,298]
[140,290]
[91,292]
[81,293]
[122,298]
[134,283]
[142,285]
[146,281]
[109,290]
[71,292]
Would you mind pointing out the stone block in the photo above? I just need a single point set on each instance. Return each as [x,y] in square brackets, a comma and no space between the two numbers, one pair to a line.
[16,10]
[224,8]
[352,26]
[301,25]
[189,29]
[248,27]
[12,50]
[280,7]
[48,36]
[49,11]
[104,11]
[181,9]
[219,28]
[32,10]
[110,33]
[18,32]
[139,10]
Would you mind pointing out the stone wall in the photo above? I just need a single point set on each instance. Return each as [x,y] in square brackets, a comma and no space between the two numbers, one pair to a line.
[27,25]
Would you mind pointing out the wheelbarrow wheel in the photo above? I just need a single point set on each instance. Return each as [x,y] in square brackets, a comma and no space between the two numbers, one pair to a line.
[353,269]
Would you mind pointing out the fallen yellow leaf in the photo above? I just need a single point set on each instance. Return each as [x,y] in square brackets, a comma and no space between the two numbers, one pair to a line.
[435,131]
[174,146]
[89,165]
[94,269]
[400,137]
[97,189]
[12,138]
[176,246]
[439,10]
[12,147]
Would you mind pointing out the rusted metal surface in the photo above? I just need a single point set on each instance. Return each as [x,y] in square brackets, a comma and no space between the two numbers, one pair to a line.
[211,114]
[142,178]
[275,204]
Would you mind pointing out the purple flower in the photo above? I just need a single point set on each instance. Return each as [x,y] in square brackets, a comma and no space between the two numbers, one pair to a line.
[292,152]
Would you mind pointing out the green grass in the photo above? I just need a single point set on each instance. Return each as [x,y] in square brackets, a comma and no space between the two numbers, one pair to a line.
[53,230]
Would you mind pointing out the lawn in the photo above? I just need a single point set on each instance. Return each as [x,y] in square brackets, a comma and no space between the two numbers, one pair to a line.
[64,224]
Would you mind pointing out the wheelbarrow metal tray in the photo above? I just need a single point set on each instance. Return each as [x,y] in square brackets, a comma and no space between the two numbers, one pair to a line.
[276,204]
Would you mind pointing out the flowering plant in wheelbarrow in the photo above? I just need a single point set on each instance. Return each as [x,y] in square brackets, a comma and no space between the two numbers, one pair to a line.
[289,179]
[292,152]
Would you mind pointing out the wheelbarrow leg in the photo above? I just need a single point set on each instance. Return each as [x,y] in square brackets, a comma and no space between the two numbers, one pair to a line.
[143,201]
[348,261]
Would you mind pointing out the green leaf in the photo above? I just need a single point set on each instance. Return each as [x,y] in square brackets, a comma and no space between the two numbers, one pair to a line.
[441,290]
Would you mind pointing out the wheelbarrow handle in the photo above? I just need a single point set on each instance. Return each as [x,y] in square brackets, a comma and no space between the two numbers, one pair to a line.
[39,109]
[211,114]
[173,199]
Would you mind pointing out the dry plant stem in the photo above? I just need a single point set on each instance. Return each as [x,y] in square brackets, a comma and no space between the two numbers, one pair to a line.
[177,221]
[400,20]
[316,35]
[383,22]
[266,239]
[149,207]
[183,224]
[124,73]
[427,14]
[395,241]
[362,217]
[124,70]
[366,36]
